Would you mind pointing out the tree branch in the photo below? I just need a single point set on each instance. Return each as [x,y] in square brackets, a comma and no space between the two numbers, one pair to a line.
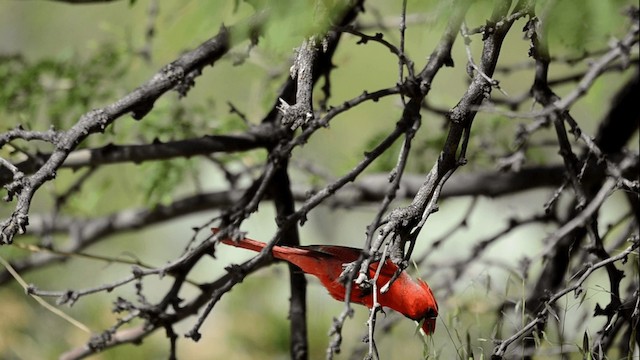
[179,75]
[367,189]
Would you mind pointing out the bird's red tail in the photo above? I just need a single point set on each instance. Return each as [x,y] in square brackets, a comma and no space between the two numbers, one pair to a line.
[248,244]
[411,298]
[287,253]
[245,243]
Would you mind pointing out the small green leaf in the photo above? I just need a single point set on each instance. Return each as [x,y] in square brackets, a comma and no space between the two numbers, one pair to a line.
[586,354]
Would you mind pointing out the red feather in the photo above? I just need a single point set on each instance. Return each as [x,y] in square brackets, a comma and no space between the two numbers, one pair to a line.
[414,299]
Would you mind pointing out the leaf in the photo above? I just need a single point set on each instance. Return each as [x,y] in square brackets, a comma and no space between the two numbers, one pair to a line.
[290,22]
[56,90]
[551,311]
[575,26]
[585,346]
[163,177]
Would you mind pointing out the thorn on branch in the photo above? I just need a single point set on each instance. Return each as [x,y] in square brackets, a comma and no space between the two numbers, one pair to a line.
[69,297]
[141,110]
[236,271]
[365,39]
[15,187]
[194,335]
[121,305]
[18,175]
[99,341]
[137,272]
[187,82]
[294,115]
[16,224]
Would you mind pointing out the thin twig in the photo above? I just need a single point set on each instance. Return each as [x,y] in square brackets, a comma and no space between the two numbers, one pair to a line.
[41,301]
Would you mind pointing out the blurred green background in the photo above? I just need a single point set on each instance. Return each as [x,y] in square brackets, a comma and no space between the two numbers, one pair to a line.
[78,57]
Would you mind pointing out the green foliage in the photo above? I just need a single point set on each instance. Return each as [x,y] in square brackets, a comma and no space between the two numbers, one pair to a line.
[491,137]
[62,88]
[250,302]
[91,196]
[424,148]
[171,120]
[585,349]
[273,338]
[58,90]
[290,22]
[163,177]
[174,120]
[388,160]
[574,26]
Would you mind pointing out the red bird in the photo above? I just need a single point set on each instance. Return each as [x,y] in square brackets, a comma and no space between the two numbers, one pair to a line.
[413,299]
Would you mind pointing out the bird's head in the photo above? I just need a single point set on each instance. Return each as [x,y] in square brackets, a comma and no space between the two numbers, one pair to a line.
[428,309]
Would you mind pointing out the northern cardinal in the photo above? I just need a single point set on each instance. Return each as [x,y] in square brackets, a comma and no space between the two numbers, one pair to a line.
[411,298]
